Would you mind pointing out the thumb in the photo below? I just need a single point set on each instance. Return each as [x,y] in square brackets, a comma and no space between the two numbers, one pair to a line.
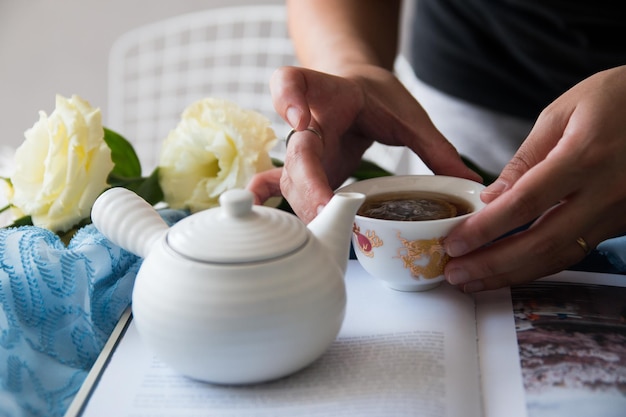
[540,141]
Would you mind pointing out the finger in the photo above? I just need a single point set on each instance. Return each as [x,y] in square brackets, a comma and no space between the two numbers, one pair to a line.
[429,144]
[265,184]
[443,158]
[543,137]
[548,246]
[288,87]
[407,123]
[303,182]
[544,186]
[300,94]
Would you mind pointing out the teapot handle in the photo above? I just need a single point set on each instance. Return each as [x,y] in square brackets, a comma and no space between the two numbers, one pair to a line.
[128,220]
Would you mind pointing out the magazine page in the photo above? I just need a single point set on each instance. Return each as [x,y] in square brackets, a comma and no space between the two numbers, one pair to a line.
[398,353]
[500,372]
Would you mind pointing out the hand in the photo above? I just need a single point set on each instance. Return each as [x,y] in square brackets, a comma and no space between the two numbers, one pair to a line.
[350,112]
[567,178]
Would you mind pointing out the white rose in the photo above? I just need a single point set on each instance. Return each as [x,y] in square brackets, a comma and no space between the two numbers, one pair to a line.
[217,146]
[62,166]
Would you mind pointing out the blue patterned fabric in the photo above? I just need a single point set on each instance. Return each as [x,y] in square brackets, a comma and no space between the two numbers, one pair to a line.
[59,306]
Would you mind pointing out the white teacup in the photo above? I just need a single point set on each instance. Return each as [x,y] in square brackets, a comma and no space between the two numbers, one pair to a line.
[409,255]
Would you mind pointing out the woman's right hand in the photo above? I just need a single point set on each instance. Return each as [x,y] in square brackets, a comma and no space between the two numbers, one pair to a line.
[366,104]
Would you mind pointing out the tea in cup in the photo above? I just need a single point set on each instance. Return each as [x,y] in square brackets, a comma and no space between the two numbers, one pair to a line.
[399,230]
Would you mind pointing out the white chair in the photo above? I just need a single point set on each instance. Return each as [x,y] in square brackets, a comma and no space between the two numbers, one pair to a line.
[157,70]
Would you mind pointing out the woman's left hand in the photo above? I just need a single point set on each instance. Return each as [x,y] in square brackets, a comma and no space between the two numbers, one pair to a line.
[567,180]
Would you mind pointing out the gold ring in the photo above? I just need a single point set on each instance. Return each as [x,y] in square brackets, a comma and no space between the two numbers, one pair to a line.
[583,244]
[310,129]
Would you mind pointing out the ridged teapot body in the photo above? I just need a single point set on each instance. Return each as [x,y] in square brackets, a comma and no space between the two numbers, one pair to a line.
[238,325]
[243,320]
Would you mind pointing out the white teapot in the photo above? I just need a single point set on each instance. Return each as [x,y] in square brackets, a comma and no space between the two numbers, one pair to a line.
[235,294]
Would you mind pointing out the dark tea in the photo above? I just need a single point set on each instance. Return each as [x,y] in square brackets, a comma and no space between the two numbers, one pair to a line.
[413,206]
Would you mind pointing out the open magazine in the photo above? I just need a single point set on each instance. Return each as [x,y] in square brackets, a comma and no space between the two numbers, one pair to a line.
[529,351]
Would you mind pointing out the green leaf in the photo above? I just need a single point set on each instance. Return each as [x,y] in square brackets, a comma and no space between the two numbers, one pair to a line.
[368,169]
[285,206]
[22,221]
[488,177]
[127,170]
[146,187]
[365,170]
[131,183]
[150,189]
[123,154]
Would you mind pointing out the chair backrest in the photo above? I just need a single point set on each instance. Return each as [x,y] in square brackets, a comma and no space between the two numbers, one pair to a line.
[157,70]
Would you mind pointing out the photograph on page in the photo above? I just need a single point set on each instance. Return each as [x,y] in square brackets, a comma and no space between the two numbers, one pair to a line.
[572,344]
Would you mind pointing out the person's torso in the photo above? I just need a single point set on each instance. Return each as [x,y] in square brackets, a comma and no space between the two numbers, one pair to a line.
[515,56]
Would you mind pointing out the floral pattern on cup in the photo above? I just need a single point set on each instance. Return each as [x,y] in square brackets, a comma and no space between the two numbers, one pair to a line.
[425,258]
[366,242]
[412,257]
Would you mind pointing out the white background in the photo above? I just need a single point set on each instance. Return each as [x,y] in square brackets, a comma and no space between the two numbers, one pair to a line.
[50,47]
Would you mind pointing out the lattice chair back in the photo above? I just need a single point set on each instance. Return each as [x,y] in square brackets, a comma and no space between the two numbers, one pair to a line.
[157,70]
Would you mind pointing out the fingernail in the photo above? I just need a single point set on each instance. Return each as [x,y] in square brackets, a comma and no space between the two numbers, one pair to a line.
[497,188]
[293,116]
[456,276]
[473,286]
[455,247]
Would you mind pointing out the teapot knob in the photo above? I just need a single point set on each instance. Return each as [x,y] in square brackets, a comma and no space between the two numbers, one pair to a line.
[237,203]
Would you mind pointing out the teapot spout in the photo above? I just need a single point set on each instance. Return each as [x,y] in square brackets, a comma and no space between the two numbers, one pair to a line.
[333,226]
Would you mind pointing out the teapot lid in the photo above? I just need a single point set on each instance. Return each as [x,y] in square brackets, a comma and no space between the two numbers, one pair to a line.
[237,232]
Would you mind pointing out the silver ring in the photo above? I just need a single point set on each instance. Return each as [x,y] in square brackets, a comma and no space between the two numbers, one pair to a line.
[310,129]
[583,244]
